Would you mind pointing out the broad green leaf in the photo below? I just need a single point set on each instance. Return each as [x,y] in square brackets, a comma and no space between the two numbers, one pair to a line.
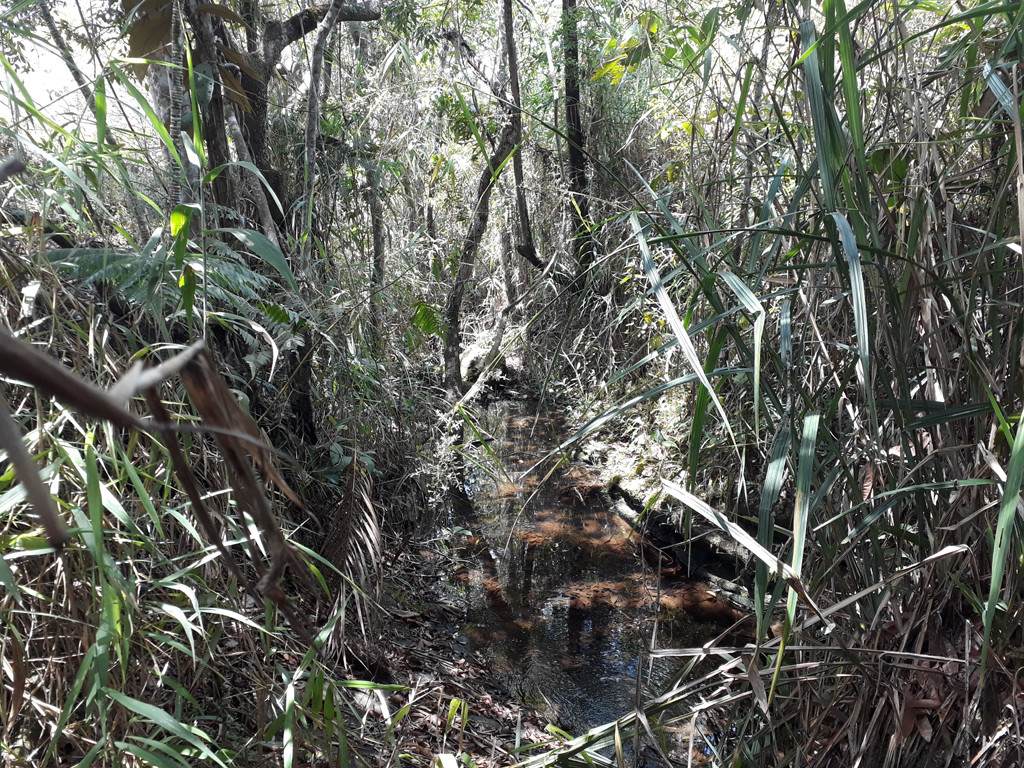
[165,720]
[261,246]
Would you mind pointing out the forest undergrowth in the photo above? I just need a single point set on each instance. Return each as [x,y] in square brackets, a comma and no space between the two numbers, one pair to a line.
[767,258]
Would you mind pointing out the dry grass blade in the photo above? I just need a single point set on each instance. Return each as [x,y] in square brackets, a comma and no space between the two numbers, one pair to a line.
[214,402]
[22,362]
[744,539]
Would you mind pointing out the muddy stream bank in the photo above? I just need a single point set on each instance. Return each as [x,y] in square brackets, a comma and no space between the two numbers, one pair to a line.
[559,596]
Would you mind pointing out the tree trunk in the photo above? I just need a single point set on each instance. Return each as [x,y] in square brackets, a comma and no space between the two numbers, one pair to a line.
[260,66]
[215,126]
[372,195]
[579,202]
[326,26]
[467,261]
[524,233]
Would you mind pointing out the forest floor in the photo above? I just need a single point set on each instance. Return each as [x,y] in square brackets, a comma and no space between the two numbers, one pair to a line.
[453,703]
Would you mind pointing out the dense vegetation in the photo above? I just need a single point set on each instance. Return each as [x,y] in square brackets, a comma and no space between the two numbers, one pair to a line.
[769,254]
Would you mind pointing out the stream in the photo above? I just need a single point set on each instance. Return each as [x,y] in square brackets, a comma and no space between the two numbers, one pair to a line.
[558,598]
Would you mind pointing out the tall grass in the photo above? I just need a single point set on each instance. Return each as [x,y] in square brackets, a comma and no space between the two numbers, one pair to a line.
[139,642]
[844,278]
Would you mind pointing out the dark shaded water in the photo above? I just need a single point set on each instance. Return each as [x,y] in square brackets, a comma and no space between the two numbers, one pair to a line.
[558,598]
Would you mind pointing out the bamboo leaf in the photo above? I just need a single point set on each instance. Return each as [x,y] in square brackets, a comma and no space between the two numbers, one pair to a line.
[1003,539]
[669,310]
[165,720]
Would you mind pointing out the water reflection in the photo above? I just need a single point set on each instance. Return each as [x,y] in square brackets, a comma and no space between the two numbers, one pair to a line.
[558,597]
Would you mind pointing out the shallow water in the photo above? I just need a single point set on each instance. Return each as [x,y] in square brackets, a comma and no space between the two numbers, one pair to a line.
[558,598]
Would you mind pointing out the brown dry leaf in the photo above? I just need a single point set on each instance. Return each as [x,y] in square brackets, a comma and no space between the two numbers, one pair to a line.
[22,361]
[757,684]
[867,480]
[908,720]
[233,89]
[218,408]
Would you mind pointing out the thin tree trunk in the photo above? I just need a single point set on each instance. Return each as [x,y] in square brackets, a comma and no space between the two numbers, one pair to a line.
[65,54]
[579,202]
[372,193]
[524,233]
[467,261]
[312,120]
[214,115]
[251,184]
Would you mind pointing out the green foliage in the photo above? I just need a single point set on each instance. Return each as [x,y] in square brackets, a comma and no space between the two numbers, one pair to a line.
[813,214]
[809,253]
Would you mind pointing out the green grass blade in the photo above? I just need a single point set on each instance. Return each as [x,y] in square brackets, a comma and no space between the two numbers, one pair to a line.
[753,307]
[700,408]
[166,721]
[736,532]
[851,95]
[805,473]
[1003,539]
[860,311]
[676,323]
[143,102]
[773,480]
[816,100]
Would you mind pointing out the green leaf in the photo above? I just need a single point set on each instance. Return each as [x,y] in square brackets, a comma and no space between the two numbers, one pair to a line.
[860,310]
[773,481]
[804,474]
[261,246]
[817,100]
[181,217]
[7,579]
[426,319]
[154,119]
[164,720]
[700,408]
[752,306]
[151,758]
[1003,539]
[187,285]
[668,308]
[100,99]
